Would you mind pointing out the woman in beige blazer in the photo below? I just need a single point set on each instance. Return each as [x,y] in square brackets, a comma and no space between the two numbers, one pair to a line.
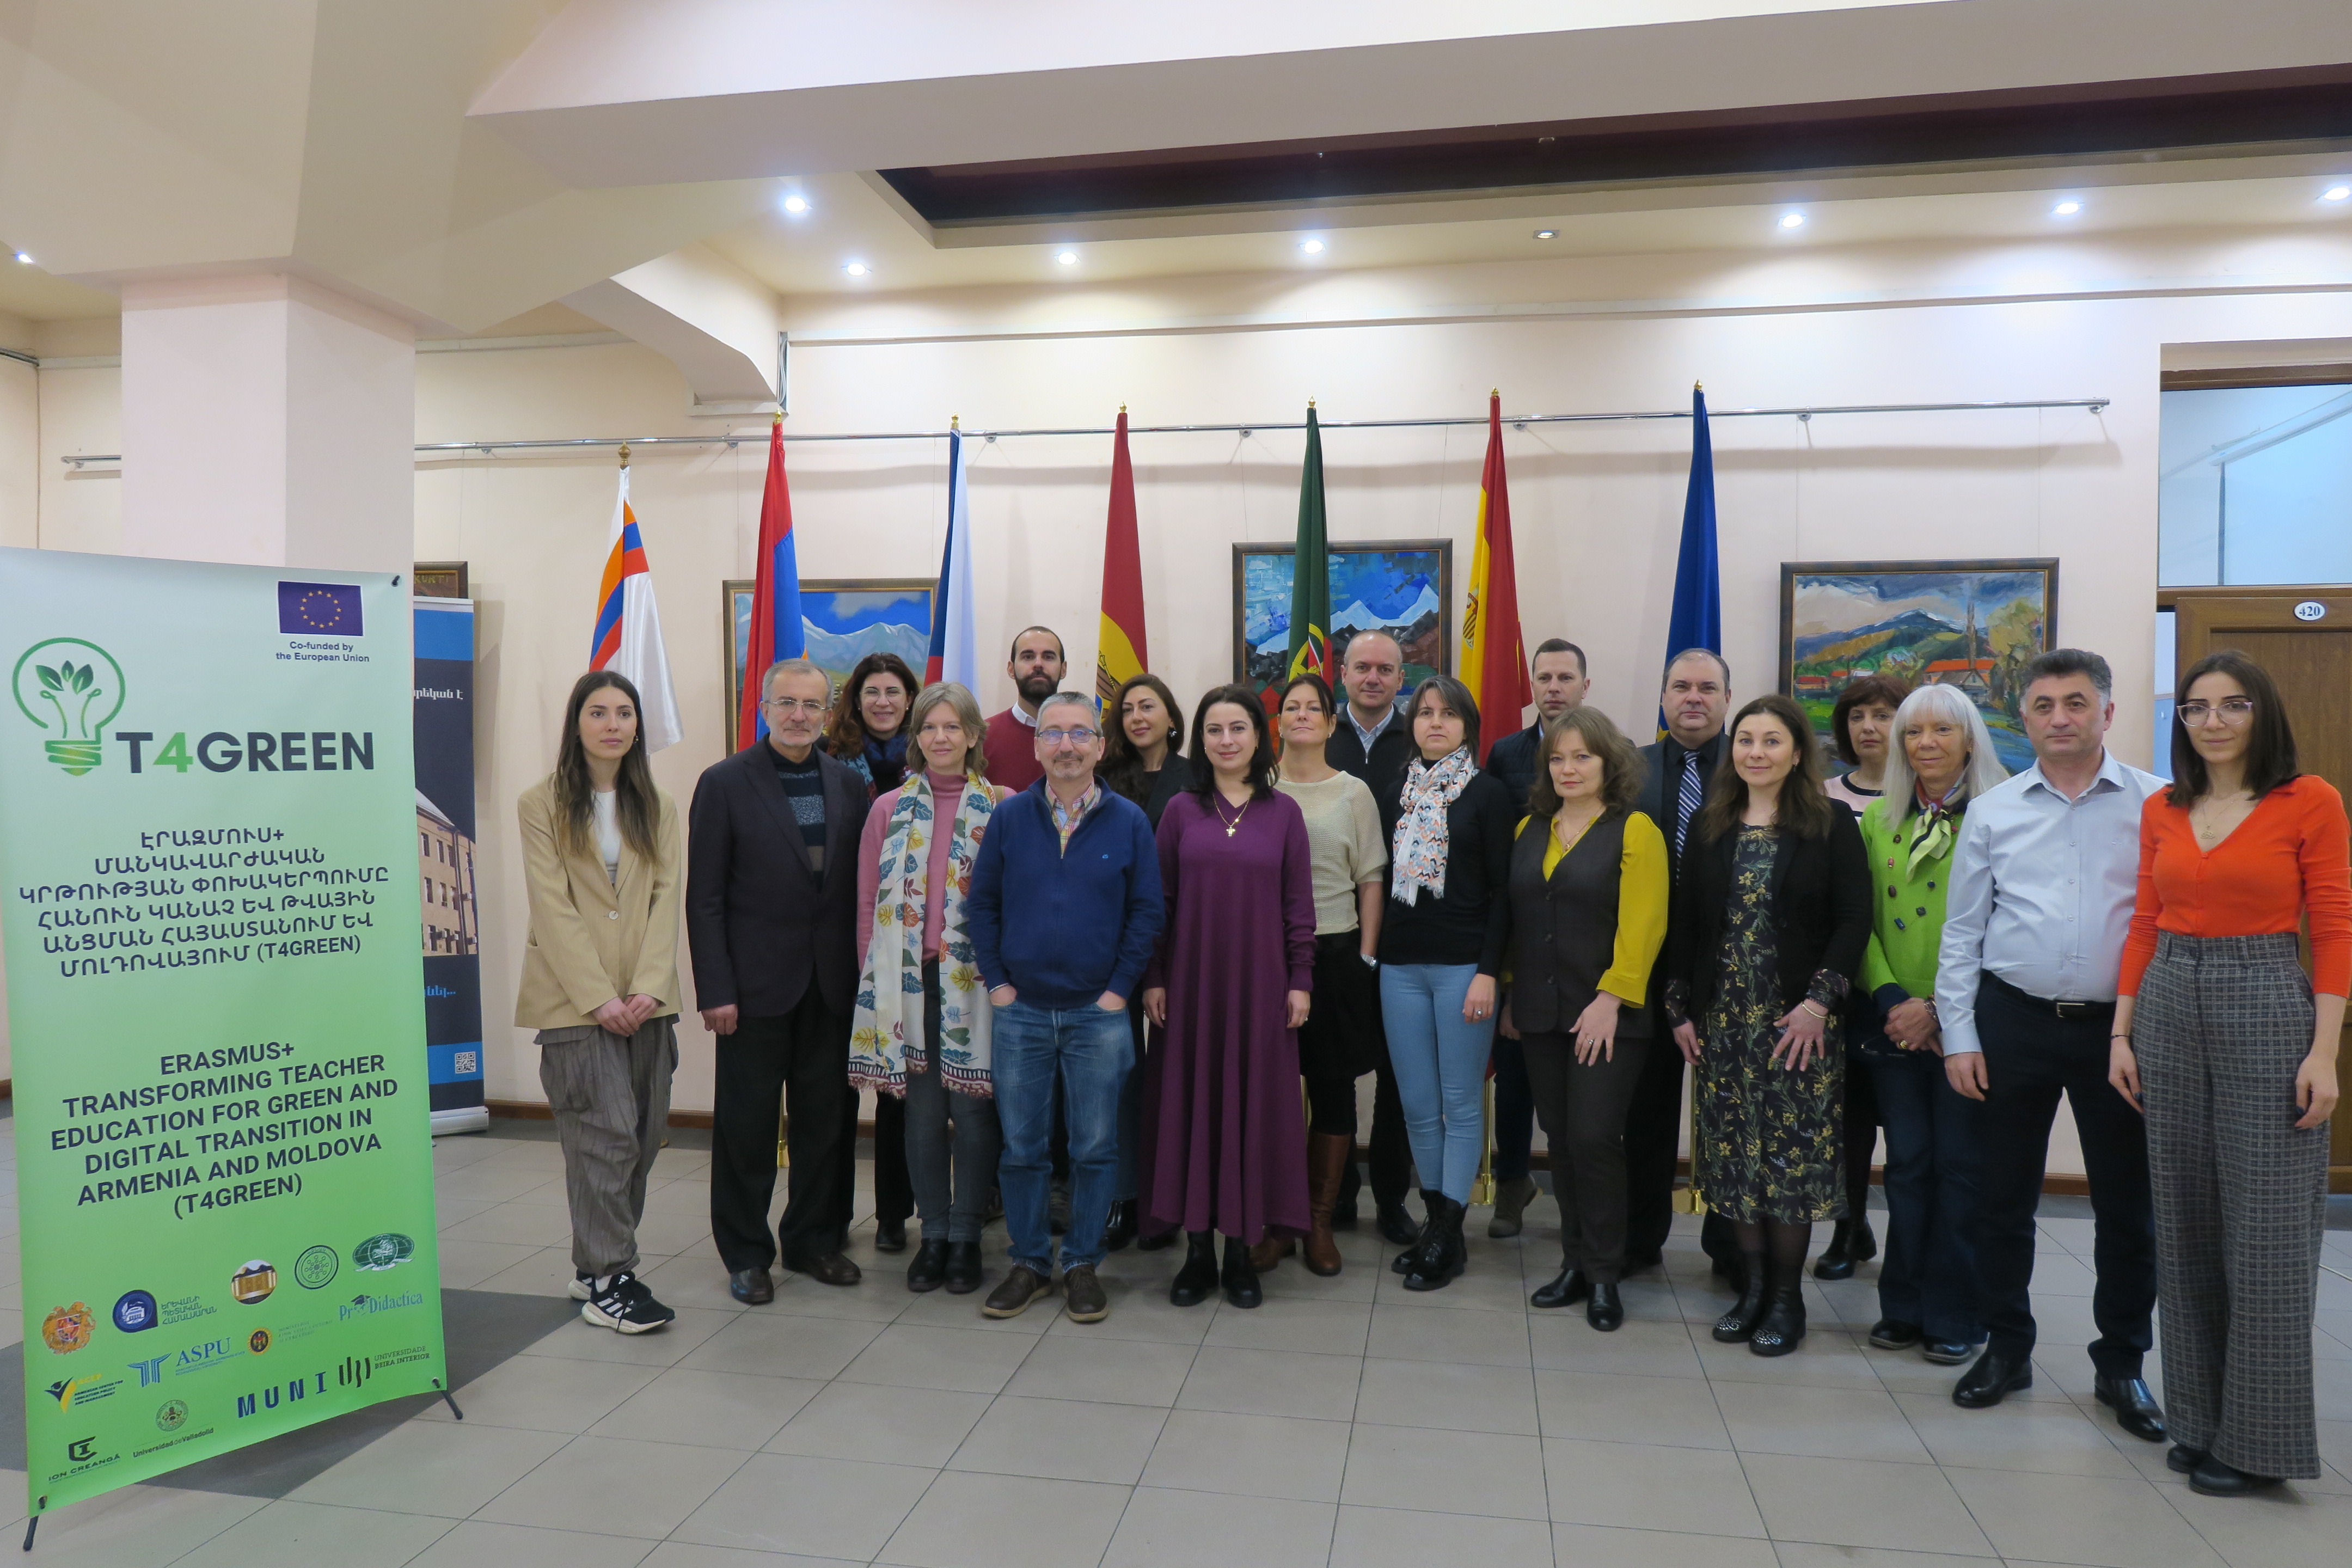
[603,861]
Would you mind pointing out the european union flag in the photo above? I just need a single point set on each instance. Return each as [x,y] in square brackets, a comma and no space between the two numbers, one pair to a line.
[323,609]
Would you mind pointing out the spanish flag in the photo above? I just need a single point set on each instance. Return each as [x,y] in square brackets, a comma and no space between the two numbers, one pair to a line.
[1494,663]
[1120,654]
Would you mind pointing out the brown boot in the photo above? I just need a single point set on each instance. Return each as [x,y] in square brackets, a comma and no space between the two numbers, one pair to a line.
[1328,1154]
[1272,1251]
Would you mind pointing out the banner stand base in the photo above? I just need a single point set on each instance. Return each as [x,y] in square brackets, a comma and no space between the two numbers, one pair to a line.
[31,1525]
[461,1118]
[446,1398]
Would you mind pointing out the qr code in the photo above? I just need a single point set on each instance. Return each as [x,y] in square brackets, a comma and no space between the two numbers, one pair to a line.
[469,1061]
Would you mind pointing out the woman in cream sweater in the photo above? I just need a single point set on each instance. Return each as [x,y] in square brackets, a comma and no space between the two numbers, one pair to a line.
[603,861]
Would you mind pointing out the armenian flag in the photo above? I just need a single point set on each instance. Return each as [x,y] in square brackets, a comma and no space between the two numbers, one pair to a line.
[776,630]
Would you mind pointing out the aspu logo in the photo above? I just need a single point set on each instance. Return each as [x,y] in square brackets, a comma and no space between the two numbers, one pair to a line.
[150,1373]
[61,697]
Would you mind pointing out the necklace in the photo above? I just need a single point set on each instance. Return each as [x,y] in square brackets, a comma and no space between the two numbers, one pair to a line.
[1219,801]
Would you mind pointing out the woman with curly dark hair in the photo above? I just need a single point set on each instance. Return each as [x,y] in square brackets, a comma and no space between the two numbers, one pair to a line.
[867,730]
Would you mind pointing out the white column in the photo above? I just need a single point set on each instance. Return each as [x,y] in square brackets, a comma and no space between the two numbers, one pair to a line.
[267,421]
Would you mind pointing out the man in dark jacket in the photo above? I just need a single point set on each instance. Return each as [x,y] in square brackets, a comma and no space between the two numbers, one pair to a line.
[1557,672]
[1064,907]
[771,899]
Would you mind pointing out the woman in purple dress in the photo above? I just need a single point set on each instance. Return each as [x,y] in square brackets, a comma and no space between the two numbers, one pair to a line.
[1225,1144]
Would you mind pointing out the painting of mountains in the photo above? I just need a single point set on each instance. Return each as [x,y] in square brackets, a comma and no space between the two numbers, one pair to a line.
[842,621]
[1973,624]
[1403,587]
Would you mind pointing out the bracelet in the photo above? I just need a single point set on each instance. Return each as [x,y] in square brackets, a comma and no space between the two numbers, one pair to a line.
[2125,1038]
[1818,1012]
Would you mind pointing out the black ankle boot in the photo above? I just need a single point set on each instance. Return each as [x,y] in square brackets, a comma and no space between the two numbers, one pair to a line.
[1199,1275]
[1121,1228]
[1784,1323]
[1444,1257]
[1604,1310]
[928,1269]
[1851,1243]
[1740,1322]
[1242,1288]
[1403,1261]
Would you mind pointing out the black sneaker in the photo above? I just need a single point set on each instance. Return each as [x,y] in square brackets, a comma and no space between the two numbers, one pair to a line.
[582,1287]
[626,1305]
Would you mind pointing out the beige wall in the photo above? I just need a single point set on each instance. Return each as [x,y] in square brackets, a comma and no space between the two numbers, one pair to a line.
[1596,507]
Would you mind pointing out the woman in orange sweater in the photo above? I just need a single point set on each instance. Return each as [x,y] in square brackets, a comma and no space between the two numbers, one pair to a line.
[2231,1054]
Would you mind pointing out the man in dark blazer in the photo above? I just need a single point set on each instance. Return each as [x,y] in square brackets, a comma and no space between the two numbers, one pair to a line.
[1695,698]
[771,900]
[1557,672]
[1374,742]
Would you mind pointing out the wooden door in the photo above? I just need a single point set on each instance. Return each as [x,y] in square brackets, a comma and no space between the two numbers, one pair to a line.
[2303,637]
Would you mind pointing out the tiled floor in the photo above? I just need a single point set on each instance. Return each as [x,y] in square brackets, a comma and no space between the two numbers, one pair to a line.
[1346,1423]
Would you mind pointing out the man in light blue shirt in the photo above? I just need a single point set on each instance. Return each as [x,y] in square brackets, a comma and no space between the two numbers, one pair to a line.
[2042,886]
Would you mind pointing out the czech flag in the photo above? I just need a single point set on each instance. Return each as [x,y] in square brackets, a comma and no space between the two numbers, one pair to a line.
[1494,663]
[952,657]
[777,632]
[628,639]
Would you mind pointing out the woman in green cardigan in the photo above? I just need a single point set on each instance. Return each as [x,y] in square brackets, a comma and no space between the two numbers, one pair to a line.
[1943,758]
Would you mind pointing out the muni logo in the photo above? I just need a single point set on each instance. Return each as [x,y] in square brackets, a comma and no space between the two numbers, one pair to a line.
[271,1397]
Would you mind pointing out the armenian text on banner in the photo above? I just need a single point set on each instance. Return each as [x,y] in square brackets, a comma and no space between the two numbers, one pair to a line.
[209,895]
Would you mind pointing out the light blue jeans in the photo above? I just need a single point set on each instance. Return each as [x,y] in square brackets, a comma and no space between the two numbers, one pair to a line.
[1441,1069]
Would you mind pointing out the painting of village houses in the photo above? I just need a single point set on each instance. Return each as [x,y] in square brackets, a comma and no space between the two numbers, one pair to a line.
[1967,624]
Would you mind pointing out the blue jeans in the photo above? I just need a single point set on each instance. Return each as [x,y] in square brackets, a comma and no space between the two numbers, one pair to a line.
[1091,1053]
[1928,1276]
[1515,1112]
[1440,1062]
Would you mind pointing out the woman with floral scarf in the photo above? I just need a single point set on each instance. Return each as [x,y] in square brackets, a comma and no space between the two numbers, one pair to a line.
[1442,941]
[921,1028]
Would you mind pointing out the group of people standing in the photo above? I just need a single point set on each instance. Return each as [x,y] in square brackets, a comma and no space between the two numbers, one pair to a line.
[1087,955]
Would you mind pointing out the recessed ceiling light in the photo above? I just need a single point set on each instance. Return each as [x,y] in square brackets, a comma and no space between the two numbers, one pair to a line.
[1068,258]
[2332,194]
[1792,220]
[1311,247]
[24,258]
[855,269]
[2066,209]
[1547,234]
[796,203]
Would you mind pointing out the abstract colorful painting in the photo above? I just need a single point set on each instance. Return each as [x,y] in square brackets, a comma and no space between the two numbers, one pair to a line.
[842,621]
[1973,624]
[1403,587]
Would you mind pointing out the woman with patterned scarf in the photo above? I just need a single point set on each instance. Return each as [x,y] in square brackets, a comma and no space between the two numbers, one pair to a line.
[920,1034]
[1442,940]
[1941,758]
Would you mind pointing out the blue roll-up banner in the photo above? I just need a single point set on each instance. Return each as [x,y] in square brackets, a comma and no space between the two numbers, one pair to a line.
[445,850]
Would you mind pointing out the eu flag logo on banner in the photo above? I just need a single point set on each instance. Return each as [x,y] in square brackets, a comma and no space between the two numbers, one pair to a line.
[328,609]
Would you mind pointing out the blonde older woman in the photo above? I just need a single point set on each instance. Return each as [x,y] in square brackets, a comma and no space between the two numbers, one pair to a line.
[1941,758]
[921,1031]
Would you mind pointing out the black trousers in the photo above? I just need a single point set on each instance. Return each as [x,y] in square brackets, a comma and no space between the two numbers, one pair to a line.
[1654,1133]
[1582,1109]
[1860,1113]
[802,1059]
[2030,1057]
[893,1189]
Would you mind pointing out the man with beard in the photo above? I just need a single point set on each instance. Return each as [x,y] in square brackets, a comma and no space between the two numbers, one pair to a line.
[1036,668]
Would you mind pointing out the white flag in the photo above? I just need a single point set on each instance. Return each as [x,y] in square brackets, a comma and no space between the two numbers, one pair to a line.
[628,639]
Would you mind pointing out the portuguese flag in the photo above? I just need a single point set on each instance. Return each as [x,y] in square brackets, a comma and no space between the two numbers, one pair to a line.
[1494,666]
[1310,580]
[1120,654]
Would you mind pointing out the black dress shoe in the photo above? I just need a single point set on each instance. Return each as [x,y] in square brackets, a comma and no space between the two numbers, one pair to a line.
[2214,1478]
[832,1268]
[1394,1221]
[1604,1310]
[1996,1375]
[1887,1335]
[1851,1243]
[1199,1275]
[1166,1238]
[1120,1230]
[752,1286]
[2184,1458]
[2136,1411]
[928,1269]
[890,1236]
[963,1268]
[1241,1289]
[1568,1287]
[1946,1352]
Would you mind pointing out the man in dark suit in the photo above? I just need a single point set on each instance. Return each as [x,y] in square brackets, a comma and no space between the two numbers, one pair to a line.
[1557,672]
[771,899]
[1375,741]
[1695,698]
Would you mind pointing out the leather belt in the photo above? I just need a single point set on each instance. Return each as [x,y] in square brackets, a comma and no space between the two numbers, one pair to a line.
[2056,1008]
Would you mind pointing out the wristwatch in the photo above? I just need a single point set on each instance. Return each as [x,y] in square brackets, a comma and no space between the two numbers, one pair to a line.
[1370,961]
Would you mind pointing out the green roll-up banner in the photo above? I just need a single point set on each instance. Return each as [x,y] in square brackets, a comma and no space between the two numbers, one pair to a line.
[208,885]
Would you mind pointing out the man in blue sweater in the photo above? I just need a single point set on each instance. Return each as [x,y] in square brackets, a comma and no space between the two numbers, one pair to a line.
[1064,909]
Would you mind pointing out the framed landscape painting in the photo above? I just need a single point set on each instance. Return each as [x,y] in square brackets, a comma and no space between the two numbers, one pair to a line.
[1969,624]
[1402,586]
[842,621]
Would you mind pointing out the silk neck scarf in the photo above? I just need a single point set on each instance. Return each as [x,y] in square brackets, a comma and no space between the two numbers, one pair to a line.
[886,1040]
[1420,845]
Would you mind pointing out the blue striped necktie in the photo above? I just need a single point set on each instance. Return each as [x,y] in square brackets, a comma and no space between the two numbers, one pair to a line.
[1685,801]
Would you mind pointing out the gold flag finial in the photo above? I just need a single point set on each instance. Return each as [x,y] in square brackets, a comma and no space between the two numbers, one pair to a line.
[1310,403]
[954,421]
[1122,408]
[1494,392]
[624,453]
[1699,387]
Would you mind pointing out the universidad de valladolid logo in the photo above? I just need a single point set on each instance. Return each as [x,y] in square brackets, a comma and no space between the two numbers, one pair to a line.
[71,689]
